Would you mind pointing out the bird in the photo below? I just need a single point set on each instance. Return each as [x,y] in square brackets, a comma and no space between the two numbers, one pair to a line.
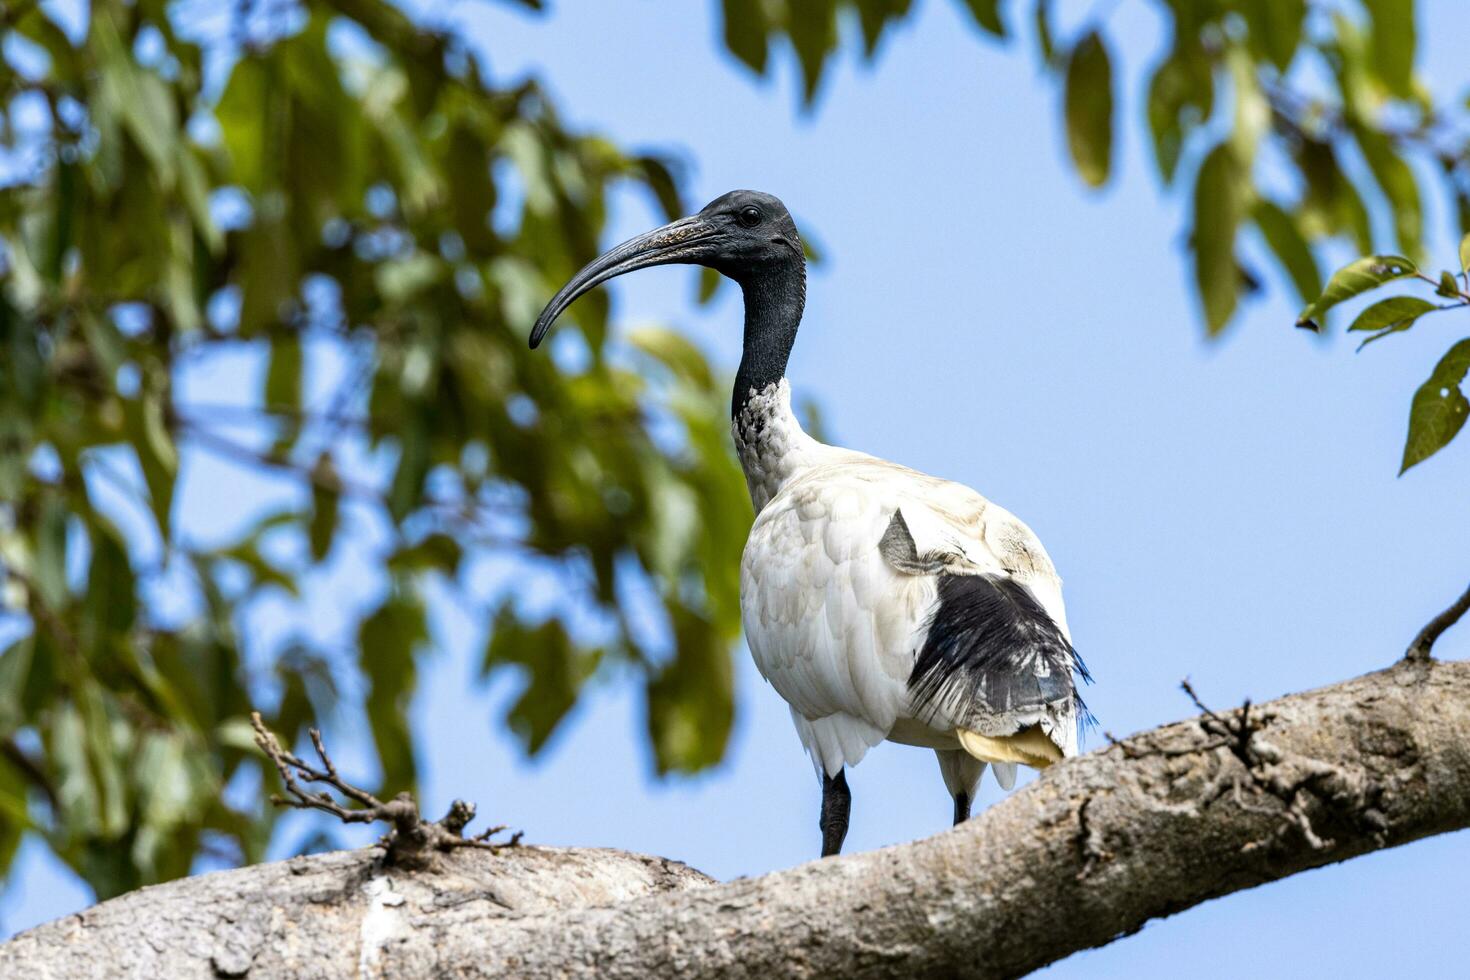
[880,602]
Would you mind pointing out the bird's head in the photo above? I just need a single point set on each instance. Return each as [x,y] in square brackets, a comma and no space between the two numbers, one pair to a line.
[742,235]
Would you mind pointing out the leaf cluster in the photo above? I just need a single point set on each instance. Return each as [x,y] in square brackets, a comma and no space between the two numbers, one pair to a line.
[1289,122]
[309,186]
[1438,410]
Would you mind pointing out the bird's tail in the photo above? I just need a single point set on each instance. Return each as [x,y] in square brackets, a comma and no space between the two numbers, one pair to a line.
[1029,747]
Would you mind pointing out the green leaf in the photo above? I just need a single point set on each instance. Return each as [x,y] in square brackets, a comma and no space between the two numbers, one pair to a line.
[1465,254]
[874,18]
[1392,311]
[1252,109]
[324,508]
[401,280]
[15,667]
[1290,247]
[110,606]
[1396,179]
[1393,315]
[283,378]
[674,351]
[262,571]
[436,552]
[1217,213]
[15,817]
[1353,279]
[660,180]
[245,116]
[555,671]
[1439,408]
[1275,29]
[987,15]
[140,97]
[1046,46]
[151,440]
[1180,97]
[691,701]
[267,275]
[1392,37]
[812,27]
[387,641]
[1447,285]
[50,560]
[709,284]
[1089,109]
[1332,204]
[746,29]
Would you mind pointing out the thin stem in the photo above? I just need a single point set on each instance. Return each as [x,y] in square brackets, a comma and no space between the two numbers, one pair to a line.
[1464,298]
[1419,650]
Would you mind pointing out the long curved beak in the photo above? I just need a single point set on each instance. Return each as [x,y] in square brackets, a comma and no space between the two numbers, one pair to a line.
[687,240]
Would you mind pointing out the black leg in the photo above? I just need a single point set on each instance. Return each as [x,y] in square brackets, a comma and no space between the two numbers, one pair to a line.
[836,805]
[961,807]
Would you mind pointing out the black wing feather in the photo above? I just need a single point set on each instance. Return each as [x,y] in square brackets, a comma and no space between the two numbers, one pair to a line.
[992,650]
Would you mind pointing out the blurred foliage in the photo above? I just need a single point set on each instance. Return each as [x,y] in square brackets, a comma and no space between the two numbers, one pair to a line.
[1300,119]
[283,179]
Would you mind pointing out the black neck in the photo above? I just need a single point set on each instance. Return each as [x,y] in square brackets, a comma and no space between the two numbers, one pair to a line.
[774,299]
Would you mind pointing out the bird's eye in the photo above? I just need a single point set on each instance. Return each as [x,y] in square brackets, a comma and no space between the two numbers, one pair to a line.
[749,216]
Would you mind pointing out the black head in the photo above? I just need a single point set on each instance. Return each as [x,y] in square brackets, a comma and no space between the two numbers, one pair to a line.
[742,235]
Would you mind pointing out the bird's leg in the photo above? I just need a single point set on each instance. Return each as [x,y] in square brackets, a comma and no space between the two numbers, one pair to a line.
[836,805]
[961,807]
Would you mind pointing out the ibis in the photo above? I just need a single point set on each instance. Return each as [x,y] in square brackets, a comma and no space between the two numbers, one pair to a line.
[879,602]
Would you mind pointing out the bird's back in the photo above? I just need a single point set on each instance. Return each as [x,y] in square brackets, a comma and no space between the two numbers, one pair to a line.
[882,601]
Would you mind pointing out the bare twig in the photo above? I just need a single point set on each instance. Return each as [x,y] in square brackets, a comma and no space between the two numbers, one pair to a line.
[1419,650]
[413,841]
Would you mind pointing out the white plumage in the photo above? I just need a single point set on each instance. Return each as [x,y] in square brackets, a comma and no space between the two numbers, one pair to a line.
[881,603]
[834,626]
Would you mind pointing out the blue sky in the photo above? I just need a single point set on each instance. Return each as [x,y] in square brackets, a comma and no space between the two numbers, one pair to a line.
[1224,511]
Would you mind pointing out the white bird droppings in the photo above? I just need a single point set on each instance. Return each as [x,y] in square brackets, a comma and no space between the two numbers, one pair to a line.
[381,924]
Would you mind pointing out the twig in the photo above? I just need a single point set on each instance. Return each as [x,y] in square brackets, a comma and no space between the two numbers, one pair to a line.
[411,843]
[1462,297]
[1418,651]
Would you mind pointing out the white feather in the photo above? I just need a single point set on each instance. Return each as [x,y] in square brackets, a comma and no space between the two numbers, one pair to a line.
[831,624]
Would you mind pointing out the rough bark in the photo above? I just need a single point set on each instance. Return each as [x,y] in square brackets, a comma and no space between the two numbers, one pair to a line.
[1145,828]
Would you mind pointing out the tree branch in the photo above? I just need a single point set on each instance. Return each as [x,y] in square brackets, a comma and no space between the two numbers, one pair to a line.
[1419,649]
[1145,827]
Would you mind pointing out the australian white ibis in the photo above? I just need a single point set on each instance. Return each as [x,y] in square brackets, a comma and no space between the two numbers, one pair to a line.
[881,603]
